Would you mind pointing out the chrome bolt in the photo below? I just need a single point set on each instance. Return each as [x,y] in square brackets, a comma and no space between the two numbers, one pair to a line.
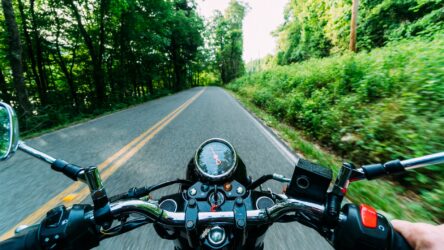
[216,236]
[190,224]
[193,192]
[240,223]
[239,190]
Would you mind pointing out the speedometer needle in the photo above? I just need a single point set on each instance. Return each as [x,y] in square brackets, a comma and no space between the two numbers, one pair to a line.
[215,157]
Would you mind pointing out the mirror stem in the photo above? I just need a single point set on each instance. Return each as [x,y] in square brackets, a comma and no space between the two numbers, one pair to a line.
[37,154]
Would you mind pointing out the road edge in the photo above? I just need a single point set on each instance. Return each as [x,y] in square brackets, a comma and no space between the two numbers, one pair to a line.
[279,142]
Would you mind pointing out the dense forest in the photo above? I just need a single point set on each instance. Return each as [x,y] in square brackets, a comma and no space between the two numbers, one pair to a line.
[317,28]
[63,60]
[385,102]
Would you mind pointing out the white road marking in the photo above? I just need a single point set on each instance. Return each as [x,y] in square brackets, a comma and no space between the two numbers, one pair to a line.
[289,156]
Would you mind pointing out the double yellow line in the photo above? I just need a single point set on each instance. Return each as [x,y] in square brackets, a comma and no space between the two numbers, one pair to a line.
[78,191]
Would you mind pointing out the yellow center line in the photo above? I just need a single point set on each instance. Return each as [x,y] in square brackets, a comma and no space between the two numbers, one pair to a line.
[125,153]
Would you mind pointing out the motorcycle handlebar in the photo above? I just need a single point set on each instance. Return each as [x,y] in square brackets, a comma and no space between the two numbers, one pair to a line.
[254,217]
[350,233]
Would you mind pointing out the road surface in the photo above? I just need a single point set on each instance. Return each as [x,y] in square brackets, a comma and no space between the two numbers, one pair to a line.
[162,135]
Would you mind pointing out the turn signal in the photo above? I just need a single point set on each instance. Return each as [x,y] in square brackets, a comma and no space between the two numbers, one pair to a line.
[227,187]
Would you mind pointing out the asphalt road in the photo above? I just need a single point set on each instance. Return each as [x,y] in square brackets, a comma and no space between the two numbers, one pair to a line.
[27,184]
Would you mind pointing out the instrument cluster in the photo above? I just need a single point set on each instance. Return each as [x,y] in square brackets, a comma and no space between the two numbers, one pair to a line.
[215,160]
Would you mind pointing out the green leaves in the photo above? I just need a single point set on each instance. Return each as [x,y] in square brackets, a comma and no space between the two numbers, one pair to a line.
[226,42]
[390,101]
[319,28]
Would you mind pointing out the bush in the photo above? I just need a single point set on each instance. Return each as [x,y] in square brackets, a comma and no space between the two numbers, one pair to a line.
[390,101]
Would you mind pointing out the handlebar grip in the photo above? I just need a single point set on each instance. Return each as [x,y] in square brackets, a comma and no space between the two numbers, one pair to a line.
[28,239]
[64,228]
[399,242]
[363,228]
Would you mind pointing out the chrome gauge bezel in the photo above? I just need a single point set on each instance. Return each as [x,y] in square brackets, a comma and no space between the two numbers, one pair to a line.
[223,176]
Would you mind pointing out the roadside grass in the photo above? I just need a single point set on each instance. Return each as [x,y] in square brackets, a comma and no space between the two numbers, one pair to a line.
[382,194]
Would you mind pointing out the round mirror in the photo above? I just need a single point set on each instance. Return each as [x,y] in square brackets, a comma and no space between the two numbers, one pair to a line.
[9,132]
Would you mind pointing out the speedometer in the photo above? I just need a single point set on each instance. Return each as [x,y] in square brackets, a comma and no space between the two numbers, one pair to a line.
[216,159]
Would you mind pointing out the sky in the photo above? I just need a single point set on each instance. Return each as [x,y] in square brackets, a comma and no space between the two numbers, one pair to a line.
[263,17]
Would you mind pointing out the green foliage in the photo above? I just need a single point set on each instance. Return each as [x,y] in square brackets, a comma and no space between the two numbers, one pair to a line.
[84,58]
[369,107]
[226,41]
[381,194]
[302,36]
[319,28]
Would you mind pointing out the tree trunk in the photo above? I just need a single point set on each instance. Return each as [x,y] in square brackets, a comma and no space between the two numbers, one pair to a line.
[39,56]
[69,79]
[68,73]
[4,88]
[31,55]
[15,56]
[354,17]
[150,85]
[96,63]
[122,78]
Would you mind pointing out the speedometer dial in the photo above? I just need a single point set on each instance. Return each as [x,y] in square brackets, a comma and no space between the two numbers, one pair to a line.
[216,159]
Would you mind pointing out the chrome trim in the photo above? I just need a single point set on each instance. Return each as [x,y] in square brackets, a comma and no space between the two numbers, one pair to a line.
[93,179]
[46,158]
[254,217]
[303,185]
[343,178]
[20,228]
[264,197]
[214,243]
[292,205]
[149,209]
[13,131]
[175,204]
[34,152]
[423,161]
[281,178]
[221,176]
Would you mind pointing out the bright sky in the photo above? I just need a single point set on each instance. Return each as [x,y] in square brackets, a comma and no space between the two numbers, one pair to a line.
[263,17]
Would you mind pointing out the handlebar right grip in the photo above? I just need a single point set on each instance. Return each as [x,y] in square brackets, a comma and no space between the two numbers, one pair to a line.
[399,242]
[363,228]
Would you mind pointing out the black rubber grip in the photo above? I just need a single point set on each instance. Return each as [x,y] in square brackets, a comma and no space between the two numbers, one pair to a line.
[70,170]
[26,240]
[399,242]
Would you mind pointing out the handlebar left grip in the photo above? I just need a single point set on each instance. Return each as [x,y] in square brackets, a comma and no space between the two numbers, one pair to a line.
[28,239]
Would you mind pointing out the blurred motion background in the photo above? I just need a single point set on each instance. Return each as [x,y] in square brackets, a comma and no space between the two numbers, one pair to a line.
[369,97]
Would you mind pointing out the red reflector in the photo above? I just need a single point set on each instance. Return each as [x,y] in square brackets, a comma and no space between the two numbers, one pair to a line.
[369,216]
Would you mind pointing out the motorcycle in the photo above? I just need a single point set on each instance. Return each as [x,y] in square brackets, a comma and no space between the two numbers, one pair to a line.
[218,206]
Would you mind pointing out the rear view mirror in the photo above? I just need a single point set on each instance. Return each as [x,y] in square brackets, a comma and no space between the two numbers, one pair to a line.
[9,131]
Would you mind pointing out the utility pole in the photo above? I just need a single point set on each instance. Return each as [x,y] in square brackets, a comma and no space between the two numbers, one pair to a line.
[354,17]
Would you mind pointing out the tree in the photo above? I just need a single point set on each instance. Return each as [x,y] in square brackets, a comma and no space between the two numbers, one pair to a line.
[3,88]
[185,39]
[227,40]
[15,56]
[320,28]
[353,25]
[84,57]
[96,54]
